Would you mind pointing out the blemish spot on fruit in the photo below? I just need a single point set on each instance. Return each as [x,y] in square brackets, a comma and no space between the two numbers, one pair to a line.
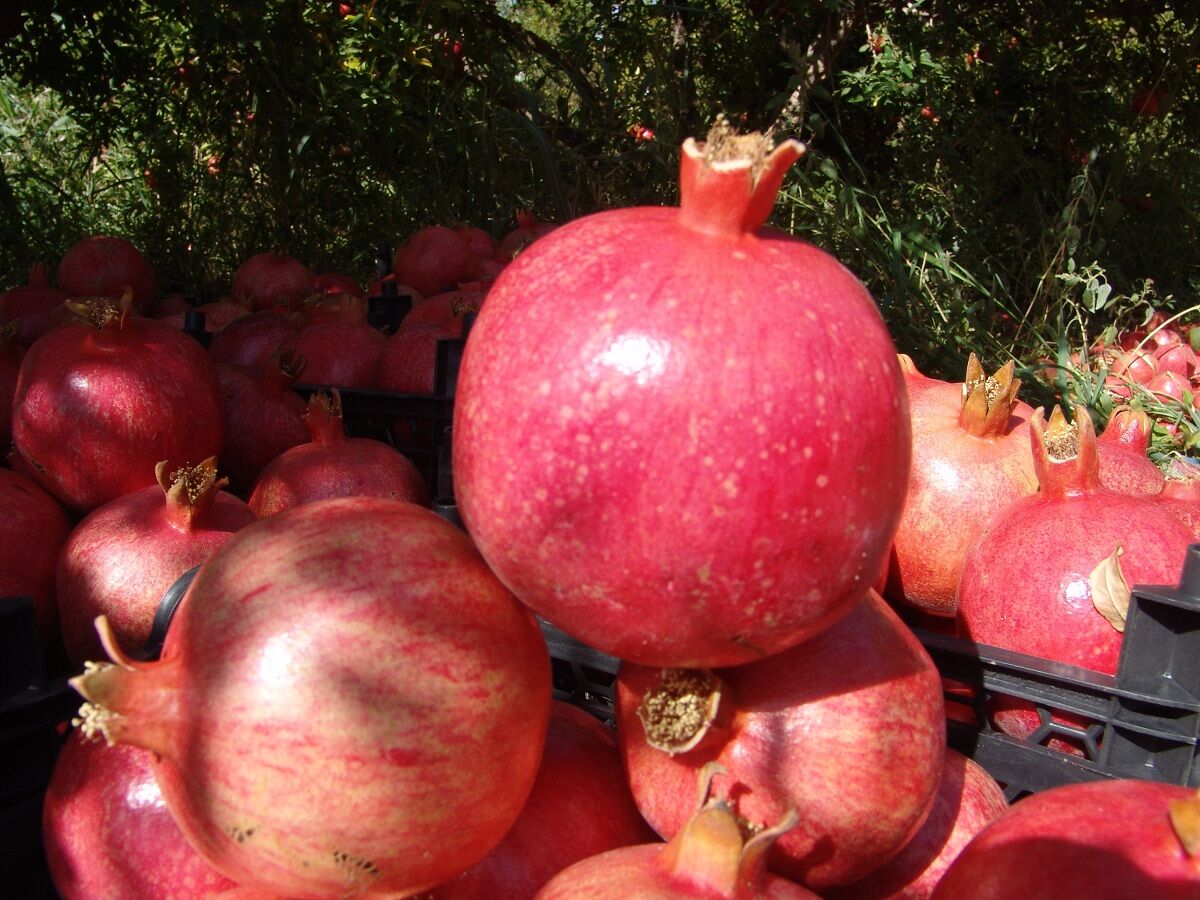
[241,835]
[544,388]
[808,452]
[709,461]
[354,868]
[822,481]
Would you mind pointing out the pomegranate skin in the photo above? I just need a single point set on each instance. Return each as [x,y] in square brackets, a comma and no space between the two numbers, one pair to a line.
[967,799]
[408,363]
[673,480]
[263,417]
[633,873]
[1105,840]
[580,806]
[338,354]
[97,409]
[108,833]
[33,306]
[1122,453]
[104,266]
[251,340]
[33,528]
[268,280]
[847,728]
[435,259]
[124,555]
[11,354]
[329,719]
[969,461]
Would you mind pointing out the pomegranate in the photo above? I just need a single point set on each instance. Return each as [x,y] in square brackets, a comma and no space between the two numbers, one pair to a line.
[316,697]
[914,381]
[1181,493]
[251,340]
[848,729]
[217,315]
[122,558]
[580,806]
[478,240]
[1121,450]
[263,417]
[338,354]
[1176,357]
[1101,840]
[333,283]
[1050,575]
[408,364]
[435,259]
[335,307]
[106,266]
[333,465]
[735,489]
[967,799]
[268,280]
[169,305]
[709,858]
[970,459]
[529,229]
[32,306]
[107,831]
[33,529]
[444,309]
[11,354]
[103,399]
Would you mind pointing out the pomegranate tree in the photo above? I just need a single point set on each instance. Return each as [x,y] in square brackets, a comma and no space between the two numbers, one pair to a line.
[328,719]
[847,729]
[101,400]
[673,478]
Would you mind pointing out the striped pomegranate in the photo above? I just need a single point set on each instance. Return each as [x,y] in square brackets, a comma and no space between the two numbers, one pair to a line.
[348,702]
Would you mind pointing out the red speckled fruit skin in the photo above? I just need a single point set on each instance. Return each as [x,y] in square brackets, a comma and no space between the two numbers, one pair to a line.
[967,799]
[959,483]
[251,340]
[1105,840]
[33,308]
[848,728]
[408,364]
[122,558]
[633,873]
[108,834]
[683,448]
[358,699]
[354,467]
[338,354]
[580,806]
[268,280]
[103,266]
[33,528]
[262,419]
[435,259]
[94,413]
[11,354]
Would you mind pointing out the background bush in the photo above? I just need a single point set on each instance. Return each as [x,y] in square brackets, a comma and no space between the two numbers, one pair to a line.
[1007,178]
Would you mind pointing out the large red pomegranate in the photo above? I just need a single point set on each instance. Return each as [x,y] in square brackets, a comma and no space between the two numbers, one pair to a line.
[347,702]
[251,340]
[268,280]
[435,259]
[338,354]
[11,354]
[408,363]
[108,833]
[711,857]
[1037,579]
[580,805]
[967,799]
[334,465]
[848,729]
[672,479]
[122,558]
[106,266]
[32,306]
[444,309]
[33,528]
[970,459]
[1121,450]
[1103,840]
[100,401]
[263,417]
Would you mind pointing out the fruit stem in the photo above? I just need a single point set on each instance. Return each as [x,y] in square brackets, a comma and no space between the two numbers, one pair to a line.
[191,491]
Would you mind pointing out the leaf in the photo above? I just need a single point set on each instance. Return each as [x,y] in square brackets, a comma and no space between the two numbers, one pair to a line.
[1185,821]
[1110,590]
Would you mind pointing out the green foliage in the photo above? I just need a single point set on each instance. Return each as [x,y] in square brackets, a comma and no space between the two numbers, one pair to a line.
[1007,179]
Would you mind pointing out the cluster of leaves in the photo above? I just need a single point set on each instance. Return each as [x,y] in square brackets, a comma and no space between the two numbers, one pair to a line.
[1006,179]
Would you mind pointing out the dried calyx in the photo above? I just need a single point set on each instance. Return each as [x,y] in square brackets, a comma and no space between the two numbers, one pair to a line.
[988,400]
[681,711]
[724,144]
[101,312]
[1062,437]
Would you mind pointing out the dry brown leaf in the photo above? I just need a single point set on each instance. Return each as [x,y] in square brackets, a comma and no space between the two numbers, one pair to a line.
[1110,590]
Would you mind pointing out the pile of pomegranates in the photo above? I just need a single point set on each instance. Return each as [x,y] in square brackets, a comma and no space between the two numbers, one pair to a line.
[745,501]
